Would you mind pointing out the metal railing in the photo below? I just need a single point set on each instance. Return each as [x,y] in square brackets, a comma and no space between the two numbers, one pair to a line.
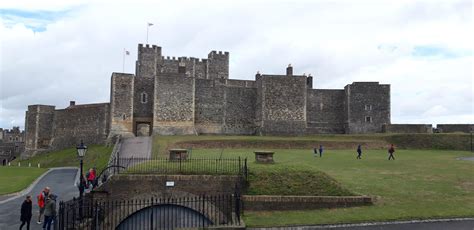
[152,213]
[193,166]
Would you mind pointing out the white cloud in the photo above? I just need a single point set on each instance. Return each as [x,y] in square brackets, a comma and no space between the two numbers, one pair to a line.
[338,41]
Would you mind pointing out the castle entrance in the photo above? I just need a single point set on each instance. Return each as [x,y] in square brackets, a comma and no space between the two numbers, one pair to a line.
[143,129]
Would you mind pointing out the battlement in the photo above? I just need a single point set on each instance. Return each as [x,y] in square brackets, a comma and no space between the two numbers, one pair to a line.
[184,59]
[218,54]
[148,48]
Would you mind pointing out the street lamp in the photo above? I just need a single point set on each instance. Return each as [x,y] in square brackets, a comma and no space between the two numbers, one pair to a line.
[81,152]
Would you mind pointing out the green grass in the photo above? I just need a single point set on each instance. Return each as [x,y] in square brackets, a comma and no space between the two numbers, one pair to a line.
[14,179]
[418,184]
[96,156]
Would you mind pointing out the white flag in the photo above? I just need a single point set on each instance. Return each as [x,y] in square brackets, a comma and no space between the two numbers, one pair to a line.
[150,24]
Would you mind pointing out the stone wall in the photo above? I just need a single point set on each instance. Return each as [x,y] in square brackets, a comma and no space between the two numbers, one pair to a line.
[89,123]
[325,111]
[367,100]
[121,104]
[174,105]
[455,128]
[144,186]
[407,128]
[282,102]
[279,203]
[210,107]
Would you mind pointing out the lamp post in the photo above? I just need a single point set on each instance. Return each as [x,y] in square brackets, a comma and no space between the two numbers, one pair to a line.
[81,152]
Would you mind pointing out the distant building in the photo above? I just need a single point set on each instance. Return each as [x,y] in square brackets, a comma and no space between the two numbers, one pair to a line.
[191,96]
[11,144]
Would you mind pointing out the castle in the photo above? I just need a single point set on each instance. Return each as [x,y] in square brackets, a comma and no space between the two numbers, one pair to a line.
[191,96]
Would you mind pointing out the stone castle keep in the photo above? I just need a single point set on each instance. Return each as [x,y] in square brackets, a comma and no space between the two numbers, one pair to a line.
[190,96]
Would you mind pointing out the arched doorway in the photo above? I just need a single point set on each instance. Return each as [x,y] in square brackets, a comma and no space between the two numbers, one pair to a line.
[166,216]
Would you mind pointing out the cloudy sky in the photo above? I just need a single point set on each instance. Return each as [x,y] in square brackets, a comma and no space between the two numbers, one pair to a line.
[56,51]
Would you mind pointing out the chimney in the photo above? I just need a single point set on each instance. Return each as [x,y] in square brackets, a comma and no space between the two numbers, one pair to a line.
[289,70]
[72,103]
[181,68]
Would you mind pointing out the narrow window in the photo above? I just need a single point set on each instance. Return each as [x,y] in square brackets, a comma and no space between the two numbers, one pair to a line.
[368,107]
[144,98]
[368,119]
[124,117]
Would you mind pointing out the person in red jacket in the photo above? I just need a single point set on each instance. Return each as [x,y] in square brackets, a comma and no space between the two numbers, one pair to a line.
[41,201]
[391,150]
[91,178]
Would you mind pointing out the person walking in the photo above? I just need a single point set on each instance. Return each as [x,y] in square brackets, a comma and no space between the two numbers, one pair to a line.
[315,151]
[391,150]
[321,150]
[49,212]
[41,198]
[26,213]
[359,152]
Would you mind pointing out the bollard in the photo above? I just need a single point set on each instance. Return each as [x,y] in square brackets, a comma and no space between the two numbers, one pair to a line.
[29,164]
[9,164]
[38,165]
[19,164]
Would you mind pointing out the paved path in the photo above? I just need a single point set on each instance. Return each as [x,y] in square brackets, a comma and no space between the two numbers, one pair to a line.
[137,147]
[455,224]
[61,182]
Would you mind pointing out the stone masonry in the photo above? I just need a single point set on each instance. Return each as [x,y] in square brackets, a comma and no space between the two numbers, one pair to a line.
[192,96]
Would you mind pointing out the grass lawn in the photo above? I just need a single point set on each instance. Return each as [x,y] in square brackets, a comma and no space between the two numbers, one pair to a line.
[419,184]
[14,179]
[96,156]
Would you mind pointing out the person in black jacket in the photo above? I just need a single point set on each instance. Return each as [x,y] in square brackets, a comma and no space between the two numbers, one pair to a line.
[26,214]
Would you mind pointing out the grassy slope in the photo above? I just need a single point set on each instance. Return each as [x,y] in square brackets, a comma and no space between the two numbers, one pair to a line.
[14,179]
[418,184]
[96,156]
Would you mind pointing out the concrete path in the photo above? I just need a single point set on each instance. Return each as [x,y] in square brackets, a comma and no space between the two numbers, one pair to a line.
[136,147]
[61,182]
[467,158]
[457,224]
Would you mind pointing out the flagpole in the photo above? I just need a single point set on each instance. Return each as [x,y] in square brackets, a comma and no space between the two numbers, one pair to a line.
[147,27]
[123,61]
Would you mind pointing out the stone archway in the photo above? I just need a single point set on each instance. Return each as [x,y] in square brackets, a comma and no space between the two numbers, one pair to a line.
[164,216]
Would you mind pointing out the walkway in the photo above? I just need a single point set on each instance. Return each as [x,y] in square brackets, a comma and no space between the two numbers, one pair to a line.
[136,147]
[61,182]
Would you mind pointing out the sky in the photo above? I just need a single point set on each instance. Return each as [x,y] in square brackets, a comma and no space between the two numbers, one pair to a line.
[52,52]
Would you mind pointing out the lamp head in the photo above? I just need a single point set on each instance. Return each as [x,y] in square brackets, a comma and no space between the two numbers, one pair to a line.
[81,150]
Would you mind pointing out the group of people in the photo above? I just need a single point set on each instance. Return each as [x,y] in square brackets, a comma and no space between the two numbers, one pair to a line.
[47,208]
[391,150]
[89,180]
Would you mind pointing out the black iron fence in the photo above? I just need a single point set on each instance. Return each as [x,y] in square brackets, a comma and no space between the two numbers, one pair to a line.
[153,213]
[192,166]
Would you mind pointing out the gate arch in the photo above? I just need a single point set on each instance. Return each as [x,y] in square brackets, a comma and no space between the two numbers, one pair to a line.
[164,216]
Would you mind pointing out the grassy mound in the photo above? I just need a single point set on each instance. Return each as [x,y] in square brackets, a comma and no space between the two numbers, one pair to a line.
[96,156]
[294,182]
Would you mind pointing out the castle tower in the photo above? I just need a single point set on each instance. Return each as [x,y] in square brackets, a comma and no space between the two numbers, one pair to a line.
[121,104]
[148,60]
[218,65]
[367,107]
[281,103]
[39,128]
